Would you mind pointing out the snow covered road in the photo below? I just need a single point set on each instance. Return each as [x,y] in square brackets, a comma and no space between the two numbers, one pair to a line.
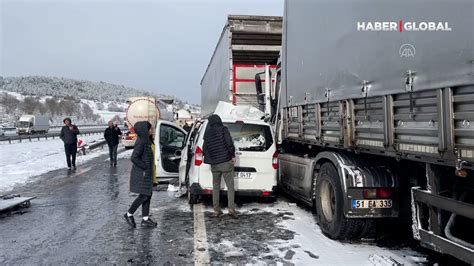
[77,218]
[20,162]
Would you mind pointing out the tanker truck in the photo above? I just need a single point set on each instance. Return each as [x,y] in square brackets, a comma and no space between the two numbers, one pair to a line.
[168,137]
[374,117]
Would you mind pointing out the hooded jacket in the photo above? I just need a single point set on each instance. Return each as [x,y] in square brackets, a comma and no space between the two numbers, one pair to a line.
[218,145]
[142,159]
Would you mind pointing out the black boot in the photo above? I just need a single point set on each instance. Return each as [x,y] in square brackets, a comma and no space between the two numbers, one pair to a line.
[149,223]
[130,220]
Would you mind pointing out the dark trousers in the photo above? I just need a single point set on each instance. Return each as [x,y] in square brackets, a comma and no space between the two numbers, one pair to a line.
[113,153]
[143,200]
[71,150]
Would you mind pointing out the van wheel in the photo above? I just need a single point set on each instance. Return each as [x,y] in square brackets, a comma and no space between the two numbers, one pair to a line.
[192,198]
[330,207]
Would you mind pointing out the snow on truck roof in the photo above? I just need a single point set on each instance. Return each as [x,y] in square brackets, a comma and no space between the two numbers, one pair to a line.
[246,113]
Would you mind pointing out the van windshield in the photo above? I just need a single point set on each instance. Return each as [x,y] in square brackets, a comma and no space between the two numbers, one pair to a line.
[250,137]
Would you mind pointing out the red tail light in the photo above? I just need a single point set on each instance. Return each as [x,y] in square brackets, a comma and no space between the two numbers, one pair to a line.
[265,193]
[275,160]
[198,156]
[384,193]
[377,193]
[207,191]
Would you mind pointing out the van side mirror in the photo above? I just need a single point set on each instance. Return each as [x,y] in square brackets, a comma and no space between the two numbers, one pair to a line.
[258,88]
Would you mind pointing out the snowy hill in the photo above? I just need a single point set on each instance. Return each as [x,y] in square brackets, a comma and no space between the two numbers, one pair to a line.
[86,102]
[62,88]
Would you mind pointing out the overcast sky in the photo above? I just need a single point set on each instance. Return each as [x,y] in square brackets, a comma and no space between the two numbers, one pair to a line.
[162,46]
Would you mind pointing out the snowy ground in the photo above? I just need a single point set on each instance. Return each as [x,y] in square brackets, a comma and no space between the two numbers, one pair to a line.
[292,236]
[21,161]
[77,218]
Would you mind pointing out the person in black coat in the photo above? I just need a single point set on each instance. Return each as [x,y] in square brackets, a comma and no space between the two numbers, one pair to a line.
[219,152]
[68,135]
[112,135]
[141,175]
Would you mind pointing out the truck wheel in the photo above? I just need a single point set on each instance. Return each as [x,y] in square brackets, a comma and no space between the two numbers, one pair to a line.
[192,198]
[330,206]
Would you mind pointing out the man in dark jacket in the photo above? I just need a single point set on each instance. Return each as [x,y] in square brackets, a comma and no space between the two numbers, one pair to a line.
[112,135]
[68,135]
[219,152]
[141,176]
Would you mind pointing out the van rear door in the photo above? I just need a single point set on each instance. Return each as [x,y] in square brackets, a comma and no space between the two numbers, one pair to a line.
[255,149]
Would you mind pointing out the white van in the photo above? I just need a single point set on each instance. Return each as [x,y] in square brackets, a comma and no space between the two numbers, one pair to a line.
[256,160]
[169,141]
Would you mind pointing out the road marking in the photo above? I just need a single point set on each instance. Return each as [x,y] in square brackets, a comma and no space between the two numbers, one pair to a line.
[201,249]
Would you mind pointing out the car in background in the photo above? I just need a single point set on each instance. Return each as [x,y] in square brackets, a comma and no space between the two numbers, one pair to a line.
[129,138]
[256,160]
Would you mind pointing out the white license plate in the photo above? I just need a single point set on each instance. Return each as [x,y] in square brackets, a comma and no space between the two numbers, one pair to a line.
[245,175]
[371,204]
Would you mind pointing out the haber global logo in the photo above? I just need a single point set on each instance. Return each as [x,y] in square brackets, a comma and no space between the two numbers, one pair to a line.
[401,26]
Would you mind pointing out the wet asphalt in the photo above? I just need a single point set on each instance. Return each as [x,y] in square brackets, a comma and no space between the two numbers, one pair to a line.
[77,217]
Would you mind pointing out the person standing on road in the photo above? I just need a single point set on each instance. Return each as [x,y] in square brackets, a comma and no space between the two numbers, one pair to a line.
[141,175]
[219,152]
[68,135]
[112,135]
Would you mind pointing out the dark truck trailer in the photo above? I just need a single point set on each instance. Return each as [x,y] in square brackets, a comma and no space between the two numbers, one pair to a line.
[246,45]
[377,117]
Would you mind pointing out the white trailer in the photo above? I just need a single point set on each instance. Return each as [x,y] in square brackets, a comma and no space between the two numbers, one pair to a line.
[247,44]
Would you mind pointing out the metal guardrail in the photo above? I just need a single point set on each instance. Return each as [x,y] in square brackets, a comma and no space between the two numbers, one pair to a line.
[52,135]
[38,137]
[14,128]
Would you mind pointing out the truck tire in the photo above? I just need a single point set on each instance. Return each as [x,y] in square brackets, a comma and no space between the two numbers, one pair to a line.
[330,207]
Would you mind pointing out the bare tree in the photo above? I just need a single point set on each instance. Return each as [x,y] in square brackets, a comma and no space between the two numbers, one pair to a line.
[53,106]
[10,103]
[87,111]
[114,108]
[29,105]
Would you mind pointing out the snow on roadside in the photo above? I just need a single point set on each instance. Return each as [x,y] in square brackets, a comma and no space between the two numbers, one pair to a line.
[21,161]
[310,246]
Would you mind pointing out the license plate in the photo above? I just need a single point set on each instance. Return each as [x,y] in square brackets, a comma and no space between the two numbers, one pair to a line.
[371,204]
[244,175]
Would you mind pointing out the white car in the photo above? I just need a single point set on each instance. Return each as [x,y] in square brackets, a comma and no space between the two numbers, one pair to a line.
[256,160]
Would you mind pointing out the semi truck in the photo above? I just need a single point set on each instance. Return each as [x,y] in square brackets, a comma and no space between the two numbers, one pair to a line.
[374,117]
[31,124]
[246,45]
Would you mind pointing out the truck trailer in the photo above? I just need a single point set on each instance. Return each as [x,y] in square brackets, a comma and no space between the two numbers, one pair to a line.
[375,117]
[246,45]
[31,124]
